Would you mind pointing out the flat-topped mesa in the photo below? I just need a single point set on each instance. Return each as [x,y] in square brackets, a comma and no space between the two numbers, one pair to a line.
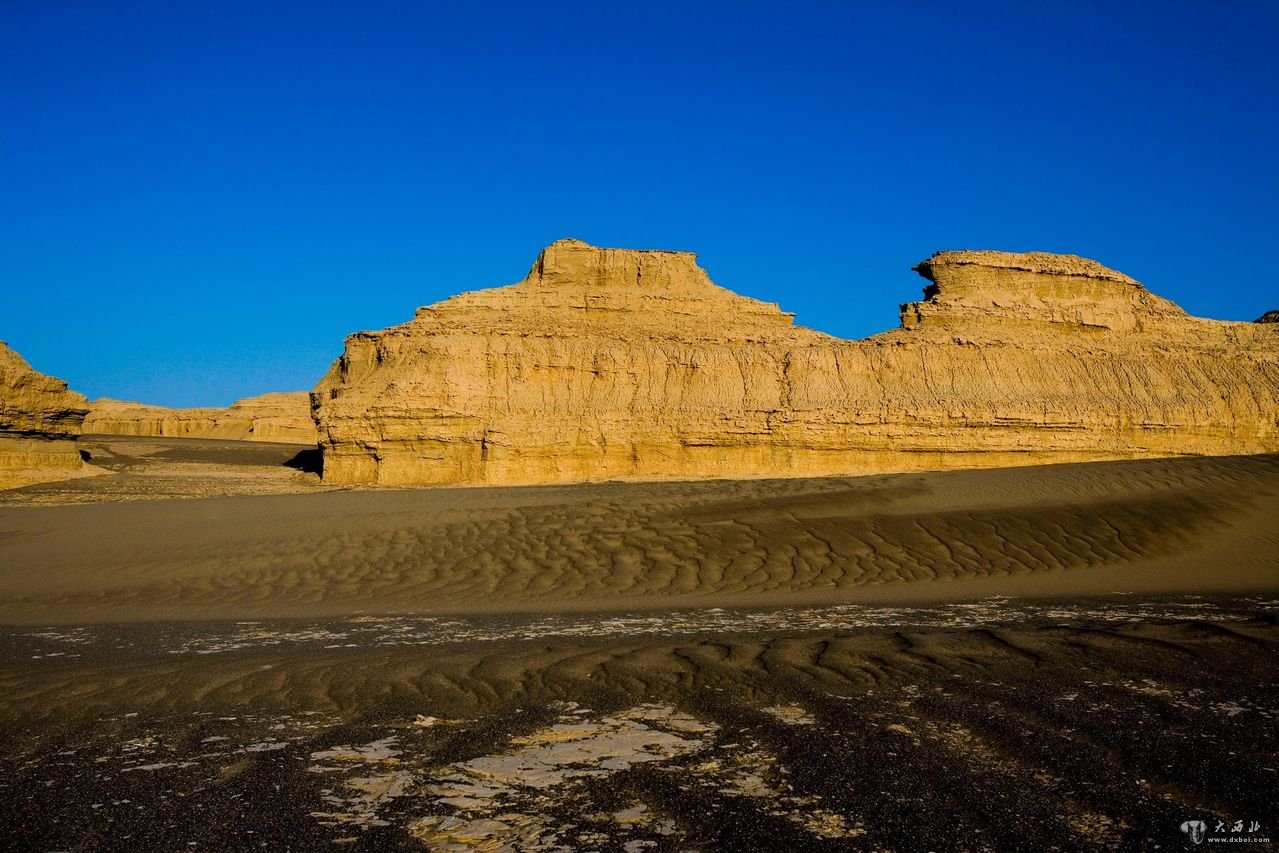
[1024,290]
[573,263]
[39,422]
[283,417]
[611,363]
[576,288]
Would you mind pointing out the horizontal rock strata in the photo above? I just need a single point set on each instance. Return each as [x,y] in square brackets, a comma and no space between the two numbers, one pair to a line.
[609,363]
[39,422]
[279,417]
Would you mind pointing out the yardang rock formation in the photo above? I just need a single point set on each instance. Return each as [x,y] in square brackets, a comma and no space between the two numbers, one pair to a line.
[611,363]
[39,422]
[280,417]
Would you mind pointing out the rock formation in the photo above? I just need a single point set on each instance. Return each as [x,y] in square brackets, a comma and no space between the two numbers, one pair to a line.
[609,363]
[280,417]
[39,422]
[1269,317]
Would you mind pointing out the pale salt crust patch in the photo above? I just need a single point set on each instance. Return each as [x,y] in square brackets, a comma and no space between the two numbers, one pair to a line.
[504,800]
[748,769]
[378,777]
[367,631]
[496,800]
[792,714]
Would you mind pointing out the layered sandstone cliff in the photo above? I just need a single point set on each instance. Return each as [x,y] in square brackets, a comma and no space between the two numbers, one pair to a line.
[609,363]
[279,417]
[39,422]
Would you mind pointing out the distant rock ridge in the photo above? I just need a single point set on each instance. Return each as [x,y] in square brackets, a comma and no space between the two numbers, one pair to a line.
[40,420]
[614,363]
[1040,263]
[1034,290]
[1269,317]
[277,417]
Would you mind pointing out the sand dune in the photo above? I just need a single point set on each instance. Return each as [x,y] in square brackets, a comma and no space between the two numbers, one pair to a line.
[207,647]
[1193,524]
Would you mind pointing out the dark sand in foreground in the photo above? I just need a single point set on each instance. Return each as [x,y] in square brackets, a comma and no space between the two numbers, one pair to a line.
[1063,726]
[750,665]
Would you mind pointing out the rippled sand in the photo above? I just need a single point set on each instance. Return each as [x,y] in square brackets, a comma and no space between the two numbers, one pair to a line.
[1089,723]
[1154,526]
[1066,657]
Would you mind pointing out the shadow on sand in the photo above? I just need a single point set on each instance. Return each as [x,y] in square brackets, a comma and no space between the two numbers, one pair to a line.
[309,461]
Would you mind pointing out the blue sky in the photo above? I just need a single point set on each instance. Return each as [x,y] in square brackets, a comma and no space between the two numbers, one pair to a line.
[198,201]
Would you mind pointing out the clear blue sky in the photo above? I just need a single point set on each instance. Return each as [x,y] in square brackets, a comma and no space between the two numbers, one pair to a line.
[198,201]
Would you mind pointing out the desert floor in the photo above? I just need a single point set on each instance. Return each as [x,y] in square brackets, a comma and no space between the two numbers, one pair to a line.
[207,649]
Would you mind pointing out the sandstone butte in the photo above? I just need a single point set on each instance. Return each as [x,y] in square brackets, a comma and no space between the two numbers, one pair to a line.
[611,363]
[278,417]
[39,422]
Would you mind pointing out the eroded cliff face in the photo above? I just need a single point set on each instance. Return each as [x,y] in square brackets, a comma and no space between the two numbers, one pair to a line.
[610,363]
[1007,293]
[278,417]
[39,422]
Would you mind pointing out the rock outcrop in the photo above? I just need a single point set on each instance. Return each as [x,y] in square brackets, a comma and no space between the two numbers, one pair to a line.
[609,363]
[279,417]
[39,422]
[1269,317]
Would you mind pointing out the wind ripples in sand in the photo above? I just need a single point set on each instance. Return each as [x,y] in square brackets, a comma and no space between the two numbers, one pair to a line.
[1101,730]
[372,632]
[1160,526]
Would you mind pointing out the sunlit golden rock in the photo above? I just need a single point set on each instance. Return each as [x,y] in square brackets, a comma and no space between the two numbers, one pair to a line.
[612,363]
[279,417]
[39,422]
